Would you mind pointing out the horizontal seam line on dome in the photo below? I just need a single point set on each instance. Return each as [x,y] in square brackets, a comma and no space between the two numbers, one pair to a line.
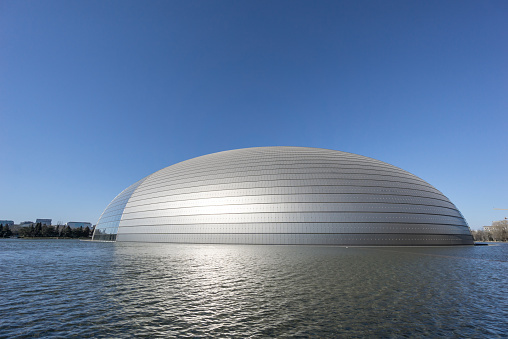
[277,194]
[163,179]
[277,164]
[116,206]
[312,212]
[124,196]
[287,155]
[130,189]
[284,203]
[169,182]
[303,223]
[225,181]
[316,178]
[318,159]
[289,179]
[273,187]
[294,222]
[277,203]
[153,180]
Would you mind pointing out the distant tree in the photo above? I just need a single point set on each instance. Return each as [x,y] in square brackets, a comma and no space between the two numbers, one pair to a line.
[67,232]
[476,235]
[500,230]
[484,236]
[86,232]
[6,231]
[52,231]
[480,235]
[24,232]
[45,231]
[1,231]
[76,232]
[497,232]
[38,230]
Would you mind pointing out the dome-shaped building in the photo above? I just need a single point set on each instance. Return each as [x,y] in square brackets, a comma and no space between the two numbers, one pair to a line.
[283,195]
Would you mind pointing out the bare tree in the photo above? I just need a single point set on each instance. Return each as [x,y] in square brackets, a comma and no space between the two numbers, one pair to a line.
[500,230]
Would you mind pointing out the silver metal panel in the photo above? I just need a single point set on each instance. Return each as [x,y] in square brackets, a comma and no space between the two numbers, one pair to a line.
[248,174]
[196,168]
[254,170]
[284,195]
[293,228]
[274,181]
[290,186]
[217,191]
[107,226]
[297,239]
[170,210]
[295,217]
[195,200]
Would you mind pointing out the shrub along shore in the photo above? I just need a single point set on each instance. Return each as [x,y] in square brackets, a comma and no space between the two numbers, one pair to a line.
[44,231]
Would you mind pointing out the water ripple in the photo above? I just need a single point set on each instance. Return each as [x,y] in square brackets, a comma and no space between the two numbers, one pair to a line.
[104,290]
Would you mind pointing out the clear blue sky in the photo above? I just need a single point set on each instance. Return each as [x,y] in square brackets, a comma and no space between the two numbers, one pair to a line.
[95,95]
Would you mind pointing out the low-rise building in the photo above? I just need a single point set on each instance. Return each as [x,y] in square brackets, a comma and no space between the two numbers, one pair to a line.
[26,223]
[503,224]
[46,222]
[78,224]
[7,222]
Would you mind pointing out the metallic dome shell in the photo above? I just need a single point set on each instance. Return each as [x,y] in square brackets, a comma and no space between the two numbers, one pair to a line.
[283,195]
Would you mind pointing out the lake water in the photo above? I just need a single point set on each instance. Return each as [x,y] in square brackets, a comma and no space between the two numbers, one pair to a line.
[65,288]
